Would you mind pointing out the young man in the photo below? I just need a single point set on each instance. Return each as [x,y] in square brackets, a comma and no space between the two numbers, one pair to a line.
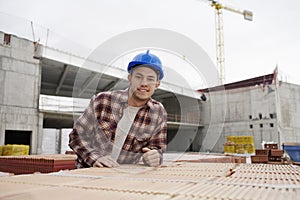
[124,126]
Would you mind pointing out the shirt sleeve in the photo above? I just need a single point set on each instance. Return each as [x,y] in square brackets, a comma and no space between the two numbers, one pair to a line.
[81,138]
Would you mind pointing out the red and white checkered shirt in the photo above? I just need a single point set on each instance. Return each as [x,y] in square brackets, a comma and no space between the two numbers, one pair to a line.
[94,131]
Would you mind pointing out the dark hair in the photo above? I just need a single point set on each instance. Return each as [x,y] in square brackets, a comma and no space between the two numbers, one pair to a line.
[149,66]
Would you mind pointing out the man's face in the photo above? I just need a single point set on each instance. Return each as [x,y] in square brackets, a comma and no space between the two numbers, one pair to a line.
[144,81]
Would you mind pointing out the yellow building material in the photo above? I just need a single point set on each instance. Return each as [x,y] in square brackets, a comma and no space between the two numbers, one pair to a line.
[229,149]
[247,140]
[231,139]
[15,150]
[239,144]
[250,148]
[240,139]
[240,149]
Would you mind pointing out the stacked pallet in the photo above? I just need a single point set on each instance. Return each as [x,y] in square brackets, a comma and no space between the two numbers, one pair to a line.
[36,163]
[239,145]
[275,154]
[261,156]
[270,154]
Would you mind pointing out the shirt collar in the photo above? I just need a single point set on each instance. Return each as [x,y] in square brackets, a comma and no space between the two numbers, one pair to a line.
[124,99]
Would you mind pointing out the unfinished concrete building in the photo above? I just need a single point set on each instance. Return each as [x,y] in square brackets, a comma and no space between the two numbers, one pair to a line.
[20,119]
[38,103]
[262,107]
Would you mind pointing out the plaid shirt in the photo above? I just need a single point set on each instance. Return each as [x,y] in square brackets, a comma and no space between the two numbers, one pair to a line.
[94,131]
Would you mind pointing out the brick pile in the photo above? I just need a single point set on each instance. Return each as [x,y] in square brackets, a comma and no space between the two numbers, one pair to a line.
[175,181]
[239,145]
[270,154]
[29,164]
[36,163]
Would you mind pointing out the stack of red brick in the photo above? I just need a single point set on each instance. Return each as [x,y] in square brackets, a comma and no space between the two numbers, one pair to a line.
[270,154]
[36,163]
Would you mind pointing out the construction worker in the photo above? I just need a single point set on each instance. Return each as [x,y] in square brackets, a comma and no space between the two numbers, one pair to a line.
[124,126]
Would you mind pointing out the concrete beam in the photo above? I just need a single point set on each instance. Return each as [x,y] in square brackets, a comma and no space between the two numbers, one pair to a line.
[87,83]
[62,78]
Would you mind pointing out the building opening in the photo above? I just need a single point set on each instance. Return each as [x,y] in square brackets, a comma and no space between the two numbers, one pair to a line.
[6,39]
[17,137]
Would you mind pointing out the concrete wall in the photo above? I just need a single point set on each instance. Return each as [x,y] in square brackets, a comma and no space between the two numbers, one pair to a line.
[182,137]
[244,111]
[182,140]
[55,141]
[19,89]
[187,109]
[288,101]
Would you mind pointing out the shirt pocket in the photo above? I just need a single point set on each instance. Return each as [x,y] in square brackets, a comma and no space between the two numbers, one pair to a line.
[140,141]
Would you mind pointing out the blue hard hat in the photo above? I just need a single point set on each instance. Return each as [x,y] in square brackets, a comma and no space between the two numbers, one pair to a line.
[148,59]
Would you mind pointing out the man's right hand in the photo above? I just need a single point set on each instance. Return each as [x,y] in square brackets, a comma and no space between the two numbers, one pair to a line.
[106,161]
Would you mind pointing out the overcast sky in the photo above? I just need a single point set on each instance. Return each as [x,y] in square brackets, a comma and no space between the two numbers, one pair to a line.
[251,48]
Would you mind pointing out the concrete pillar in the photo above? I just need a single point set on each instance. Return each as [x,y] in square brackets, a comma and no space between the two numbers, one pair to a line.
[58,141]
[19,89]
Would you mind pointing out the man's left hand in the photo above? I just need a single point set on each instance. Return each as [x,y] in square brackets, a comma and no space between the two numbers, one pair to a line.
[151,157]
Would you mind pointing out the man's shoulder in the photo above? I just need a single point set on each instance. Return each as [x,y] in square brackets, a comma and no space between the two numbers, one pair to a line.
[154,104]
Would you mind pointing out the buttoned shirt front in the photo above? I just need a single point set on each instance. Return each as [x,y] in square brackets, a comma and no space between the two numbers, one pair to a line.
[94,131]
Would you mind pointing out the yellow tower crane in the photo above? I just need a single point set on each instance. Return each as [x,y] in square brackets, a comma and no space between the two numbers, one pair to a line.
[248,15]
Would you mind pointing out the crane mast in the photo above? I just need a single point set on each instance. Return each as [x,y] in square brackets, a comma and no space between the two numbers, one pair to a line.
[220,35]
